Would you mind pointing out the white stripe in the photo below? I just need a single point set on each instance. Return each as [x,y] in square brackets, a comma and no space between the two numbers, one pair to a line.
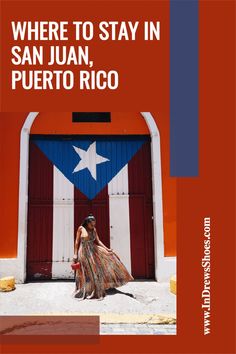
[63,226]
[118,189]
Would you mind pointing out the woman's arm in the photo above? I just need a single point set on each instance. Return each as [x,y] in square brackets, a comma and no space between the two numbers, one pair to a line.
[99,242]
[77,242]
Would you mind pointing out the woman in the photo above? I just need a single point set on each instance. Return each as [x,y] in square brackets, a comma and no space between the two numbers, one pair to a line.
[100,269]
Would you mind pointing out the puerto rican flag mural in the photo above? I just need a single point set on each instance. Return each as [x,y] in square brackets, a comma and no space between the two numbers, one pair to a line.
[72,176]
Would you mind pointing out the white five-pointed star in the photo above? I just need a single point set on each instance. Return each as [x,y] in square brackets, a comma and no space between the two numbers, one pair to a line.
[89,159]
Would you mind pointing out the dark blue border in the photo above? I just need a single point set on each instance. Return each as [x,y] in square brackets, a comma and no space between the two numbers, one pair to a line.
[184,88]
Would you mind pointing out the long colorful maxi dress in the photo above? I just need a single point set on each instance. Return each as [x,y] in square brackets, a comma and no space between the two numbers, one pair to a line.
[100,270]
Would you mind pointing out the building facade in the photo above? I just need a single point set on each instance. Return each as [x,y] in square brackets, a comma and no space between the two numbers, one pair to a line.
[59,167]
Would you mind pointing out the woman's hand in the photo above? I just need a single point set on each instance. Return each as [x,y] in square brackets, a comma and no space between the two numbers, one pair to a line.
[75,258]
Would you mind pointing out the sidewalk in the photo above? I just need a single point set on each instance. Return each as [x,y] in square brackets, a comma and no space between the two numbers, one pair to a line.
[144,307]
[141,329]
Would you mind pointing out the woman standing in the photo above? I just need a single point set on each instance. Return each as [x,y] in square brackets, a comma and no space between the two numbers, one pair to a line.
[100,267]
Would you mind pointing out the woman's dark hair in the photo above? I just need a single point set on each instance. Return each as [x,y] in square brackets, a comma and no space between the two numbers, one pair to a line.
[88,219]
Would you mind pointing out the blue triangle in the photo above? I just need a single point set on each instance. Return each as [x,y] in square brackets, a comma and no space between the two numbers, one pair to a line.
[62,154]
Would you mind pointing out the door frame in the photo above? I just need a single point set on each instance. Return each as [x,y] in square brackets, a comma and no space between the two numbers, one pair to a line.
[164,266]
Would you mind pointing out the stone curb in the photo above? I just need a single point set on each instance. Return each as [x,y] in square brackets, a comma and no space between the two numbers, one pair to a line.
[111,318]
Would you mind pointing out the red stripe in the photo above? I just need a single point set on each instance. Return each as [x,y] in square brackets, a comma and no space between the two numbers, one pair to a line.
[40,215]
[99,207]
[140,206]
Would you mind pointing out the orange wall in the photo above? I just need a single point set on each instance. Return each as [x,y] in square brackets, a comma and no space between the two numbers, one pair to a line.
[61,123]
[10,127]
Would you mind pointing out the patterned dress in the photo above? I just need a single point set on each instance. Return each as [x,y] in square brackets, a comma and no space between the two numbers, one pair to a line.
[100,270]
